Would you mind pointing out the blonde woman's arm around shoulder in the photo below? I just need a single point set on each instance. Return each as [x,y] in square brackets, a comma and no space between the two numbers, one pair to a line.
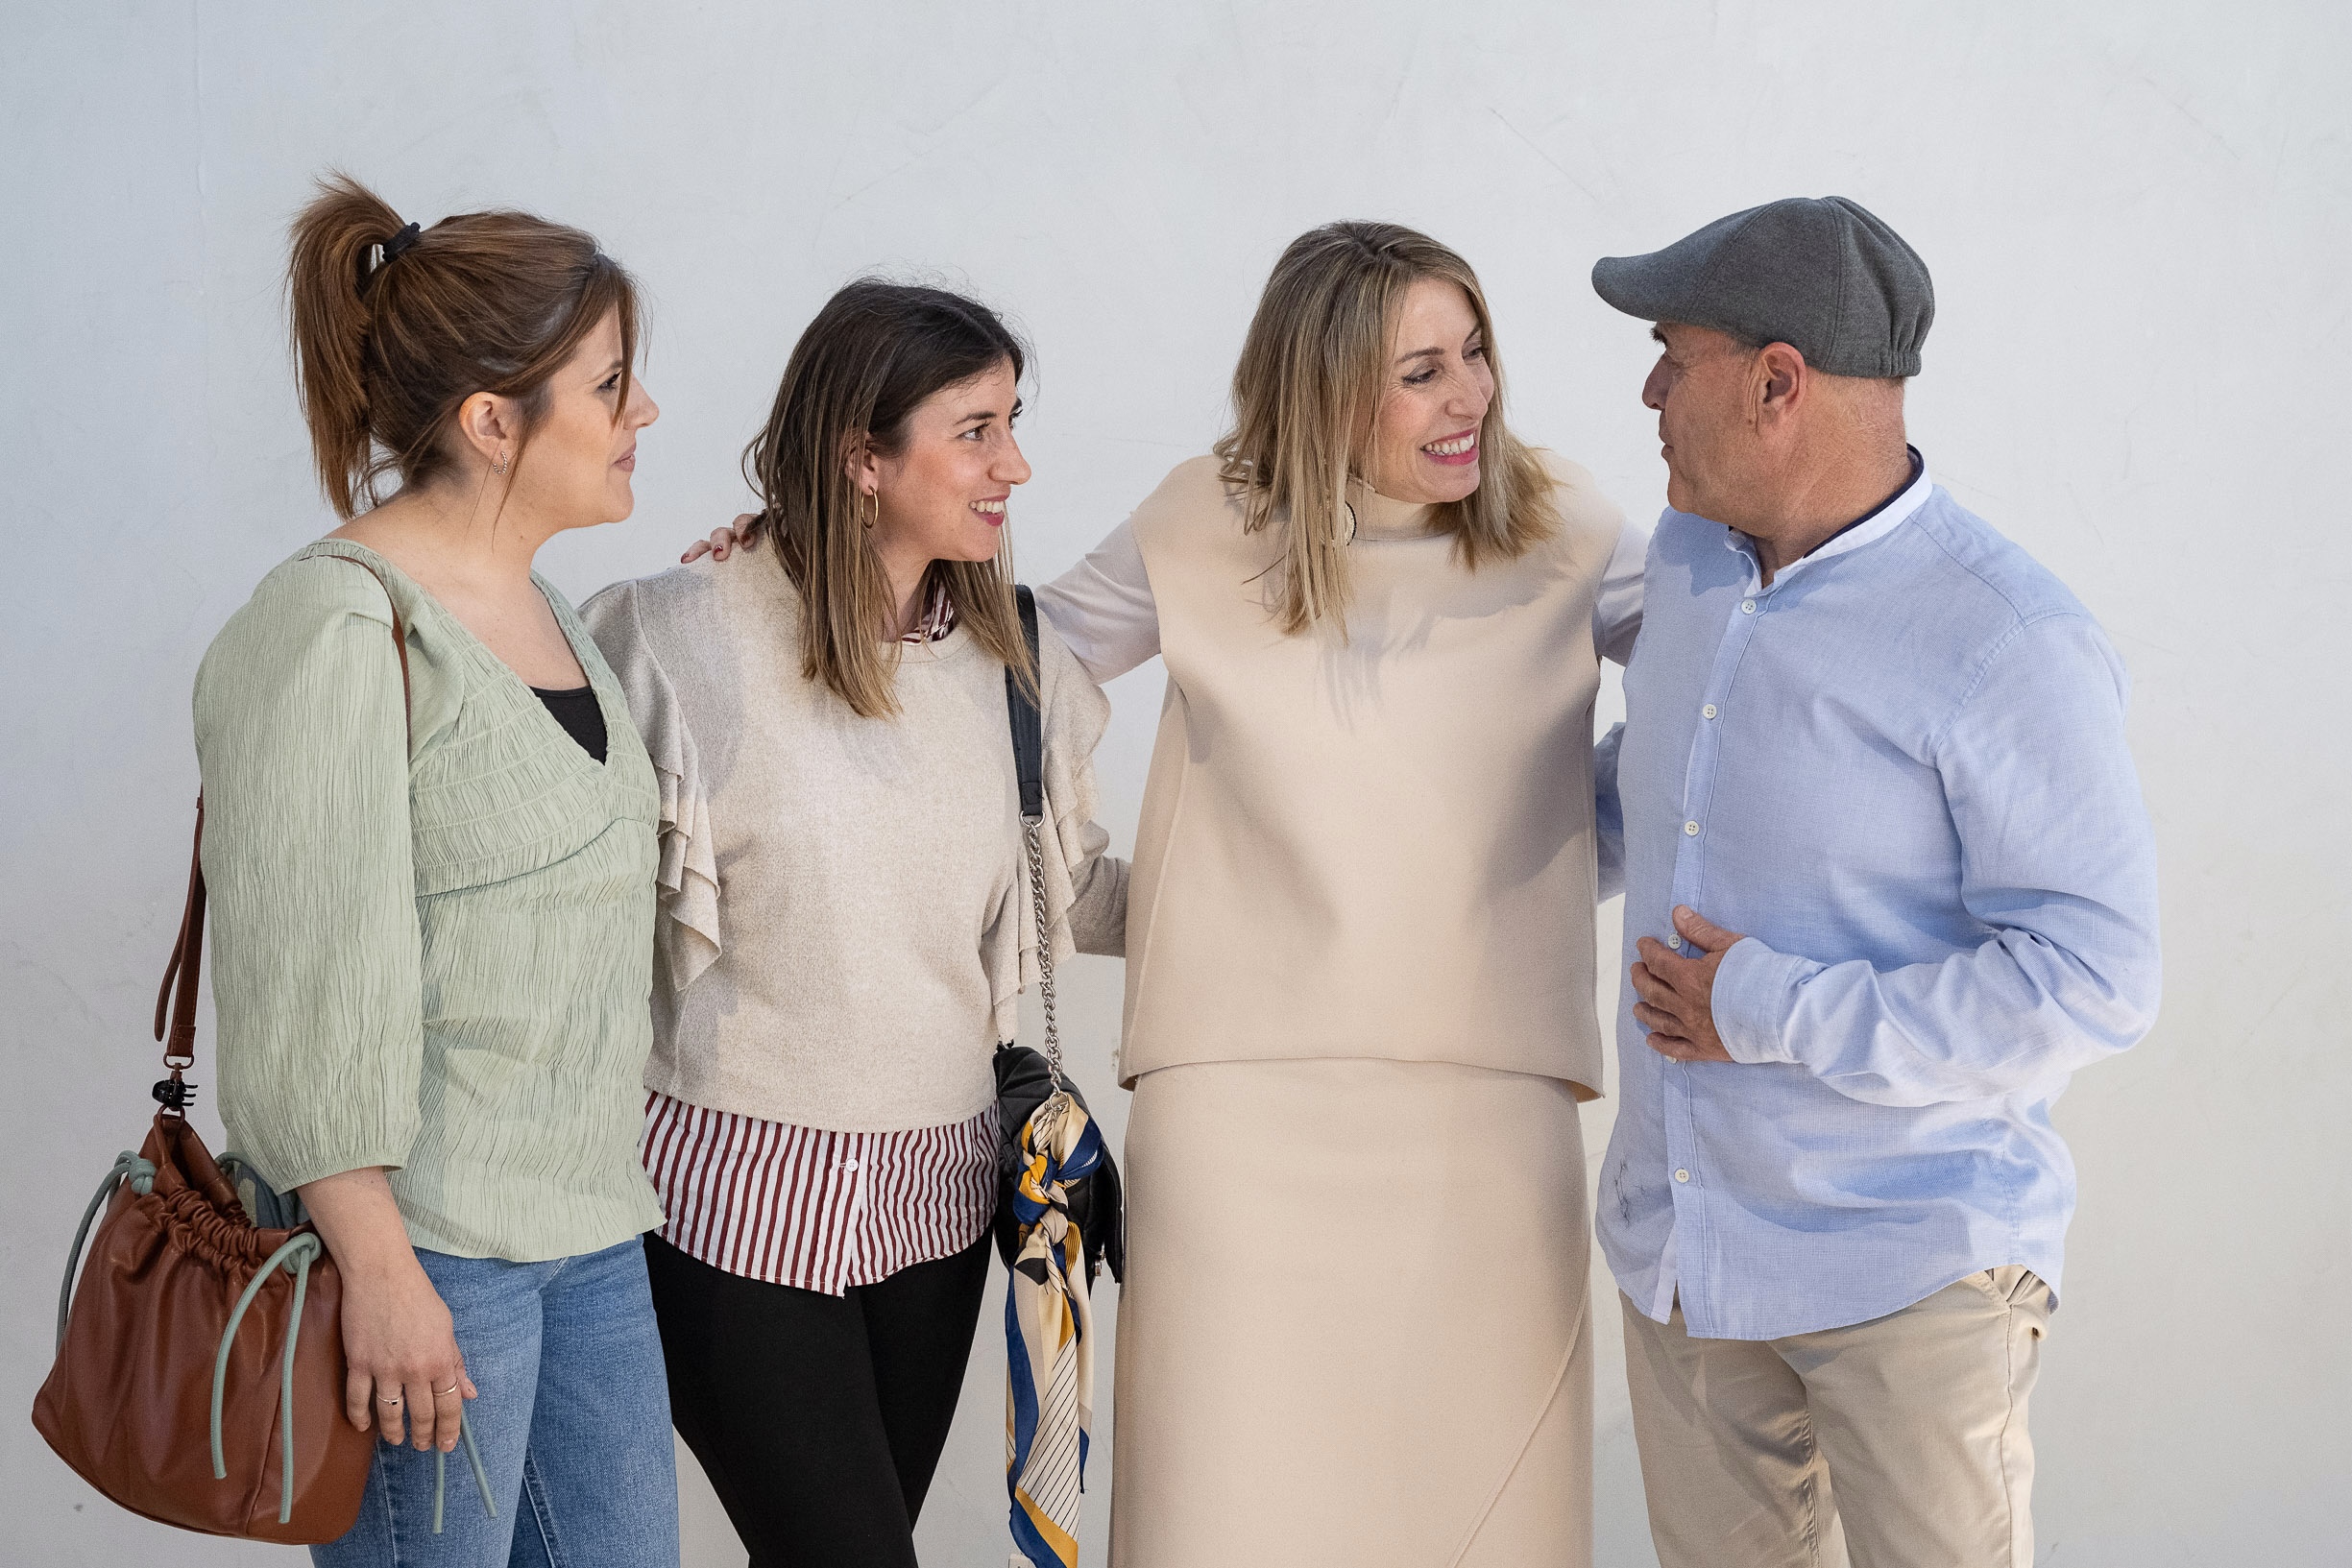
[1616,610]
[1616,623]
[1104,608]
[1591,517]
[1076,712]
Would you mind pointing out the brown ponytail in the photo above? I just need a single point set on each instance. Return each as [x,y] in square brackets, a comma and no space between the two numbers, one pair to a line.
[393,332]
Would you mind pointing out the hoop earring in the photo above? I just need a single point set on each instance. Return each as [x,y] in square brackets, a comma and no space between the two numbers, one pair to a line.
[499,466]
[868,516]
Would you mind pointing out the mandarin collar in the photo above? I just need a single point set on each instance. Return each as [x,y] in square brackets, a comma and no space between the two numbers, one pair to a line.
[1869,528]
[1381,517]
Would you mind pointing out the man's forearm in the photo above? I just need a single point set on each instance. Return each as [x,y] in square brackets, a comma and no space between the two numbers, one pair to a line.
[2012,1013]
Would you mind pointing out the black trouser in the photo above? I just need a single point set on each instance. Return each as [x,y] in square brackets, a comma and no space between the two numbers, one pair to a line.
[818,1418]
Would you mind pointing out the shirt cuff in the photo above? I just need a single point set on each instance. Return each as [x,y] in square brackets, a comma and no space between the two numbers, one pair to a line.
[1756,990]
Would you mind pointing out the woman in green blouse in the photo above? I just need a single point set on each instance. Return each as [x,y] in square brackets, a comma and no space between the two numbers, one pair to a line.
[431,868]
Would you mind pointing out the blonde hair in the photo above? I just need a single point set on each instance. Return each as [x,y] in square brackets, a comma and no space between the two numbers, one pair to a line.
[875,352]
[1305,394]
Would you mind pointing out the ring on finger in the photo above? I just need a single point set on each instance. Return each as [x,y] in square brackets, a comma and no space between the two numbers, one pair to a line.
[451,1389]
[387,1399]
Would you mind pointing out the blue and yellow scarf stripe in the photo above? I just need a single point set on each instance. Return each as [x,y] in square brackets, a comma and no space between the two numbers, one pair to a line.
[1049,1340]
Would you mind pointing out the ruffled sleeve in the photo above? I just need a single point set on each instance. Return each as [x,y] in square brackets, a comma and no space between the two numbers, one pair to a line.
[685,935]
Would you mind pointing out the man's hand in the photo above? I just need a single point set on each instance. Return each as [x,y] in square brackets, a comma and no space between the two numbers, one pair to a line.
[725,541]
[1677,993]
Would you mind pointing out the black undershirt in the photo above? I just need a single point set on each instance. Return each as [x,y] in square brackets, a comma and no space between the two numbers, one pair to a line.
[579,714]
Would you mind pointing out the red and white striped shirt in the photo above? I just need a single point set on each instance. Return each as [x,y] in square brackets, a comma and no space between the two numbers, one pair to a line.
[818,1210]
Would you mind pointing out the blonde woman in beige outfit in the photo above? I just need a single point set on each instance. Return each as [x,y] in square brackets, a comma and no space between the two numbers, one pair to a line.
[1360,950]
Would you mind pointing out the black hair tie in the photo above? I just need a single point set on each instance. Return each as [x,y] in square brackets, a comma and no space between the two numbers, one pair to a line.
[385,254]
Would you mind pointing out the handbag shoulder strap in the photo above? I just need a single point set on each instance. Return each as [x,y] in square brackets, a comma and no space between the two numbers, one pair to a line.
[175,999]
[1028,724]
[1028,767]
[400,636]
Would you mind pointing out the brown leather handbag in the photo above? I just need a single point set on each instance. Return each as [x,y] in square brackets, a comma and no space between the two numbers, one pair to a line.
[200,1370]
[199,1378]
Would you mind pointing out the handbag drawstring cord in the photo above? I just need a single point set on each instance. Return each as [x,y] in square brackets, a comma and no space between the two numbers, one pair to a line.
[296,1257]
[441,1472]
[128,1167]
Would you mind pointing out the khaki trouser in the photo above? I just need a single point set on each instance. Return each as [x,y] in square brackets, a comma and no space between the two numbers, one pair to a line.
[1918,1418]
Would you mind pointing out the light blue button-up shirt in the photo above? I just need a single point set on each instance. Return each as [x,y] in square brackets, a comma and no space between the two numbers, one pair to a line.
[1900,771]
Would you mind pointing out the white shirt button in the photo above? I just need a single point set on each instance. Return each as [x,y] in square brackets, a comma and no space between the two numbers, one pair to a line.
[1747,607]
[849,1165]
[1690,830]
[1682,1175]
[1674,940]
[1709,711]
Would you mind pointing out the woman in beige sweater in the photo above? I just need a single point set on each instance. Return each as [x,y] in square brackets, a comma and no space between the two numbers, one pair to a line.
[1360,953]
[846,925]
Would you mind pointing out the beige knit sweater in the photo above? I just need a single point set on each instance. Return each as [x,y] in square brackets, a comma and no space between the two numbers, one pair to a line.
[845,925]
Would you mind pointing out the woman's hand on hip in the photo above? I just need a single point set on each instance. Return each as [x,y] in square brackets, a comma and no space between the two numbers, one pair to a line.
[404,1375]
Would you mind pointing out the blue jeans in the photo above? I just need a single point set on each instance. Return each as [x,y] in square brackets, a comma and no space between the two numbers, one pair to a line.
[573,1426]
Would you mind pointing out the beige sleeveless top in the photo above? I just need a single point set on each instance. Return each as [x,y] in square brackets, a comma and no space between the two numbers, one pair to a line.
[1379,844]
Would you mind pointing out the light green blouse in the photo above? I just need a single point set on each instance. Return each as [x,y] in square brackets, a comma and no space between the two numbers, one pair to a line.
[432,952]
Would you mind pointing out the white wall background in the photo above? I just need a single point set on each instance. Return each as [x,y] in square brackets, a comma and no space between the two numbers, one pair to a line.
[2138,215]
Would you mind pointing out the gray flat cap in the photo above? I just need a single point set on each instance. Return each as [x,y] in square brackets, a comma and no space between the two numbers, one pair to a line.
[1828,277]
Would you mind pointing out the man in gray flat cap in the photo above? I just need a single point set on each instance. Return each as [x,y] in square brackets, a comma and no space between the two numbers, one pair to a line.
[1888,882]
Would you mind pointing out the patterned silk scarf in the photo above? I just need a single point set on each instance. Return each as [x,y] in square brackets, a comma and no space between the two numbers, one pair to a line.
[1049,1340]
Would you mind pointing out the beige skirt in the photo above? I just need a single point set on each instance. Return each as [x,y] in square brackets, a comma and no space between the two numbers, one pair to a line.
[1354,1326]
